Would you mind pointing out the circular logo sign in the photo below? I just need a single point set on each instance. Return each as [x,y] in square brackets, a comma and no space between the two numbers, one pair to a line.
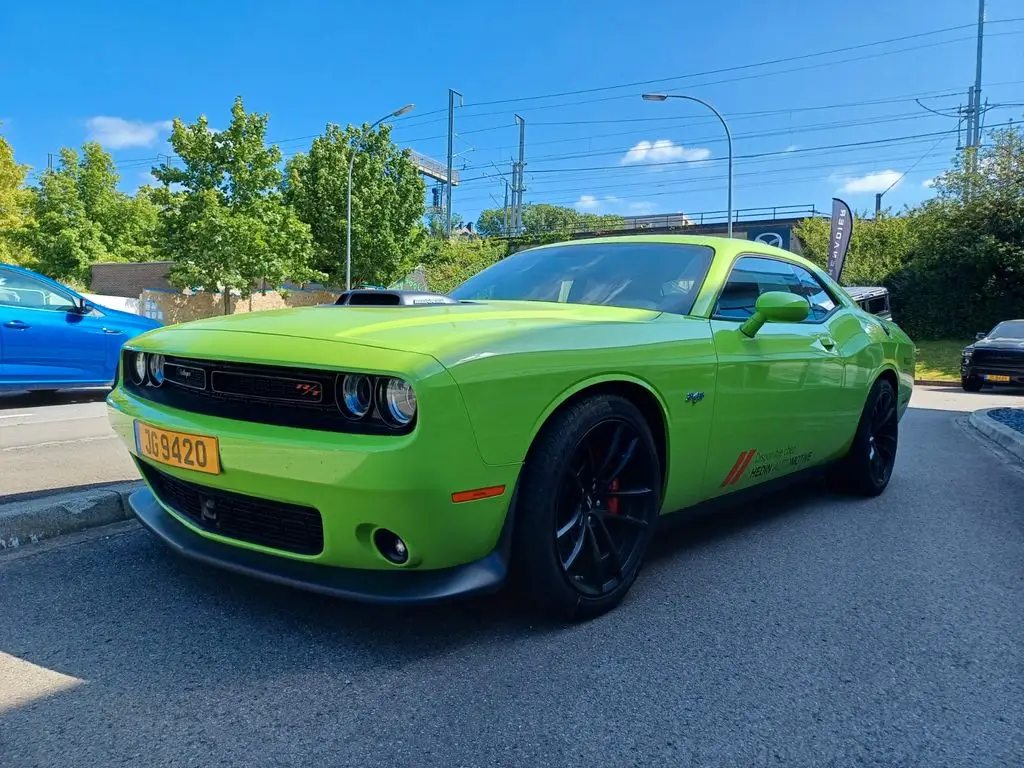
[770,238]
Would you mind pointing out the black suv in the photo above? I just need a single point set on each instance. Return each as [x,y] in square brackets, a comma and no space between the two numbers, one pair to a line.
[997,357]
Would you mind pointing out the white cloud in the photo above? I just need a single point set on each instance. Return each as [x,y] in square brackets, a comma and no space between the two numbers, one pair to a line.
[612,204]
[879,181]
[662,151]
[928,183]
[118,133]
[791,148]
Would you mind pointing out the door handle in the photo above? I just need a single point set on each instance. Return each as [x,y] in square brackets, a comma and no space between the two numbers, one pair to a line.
[112,330]
[827,342]
[17,325]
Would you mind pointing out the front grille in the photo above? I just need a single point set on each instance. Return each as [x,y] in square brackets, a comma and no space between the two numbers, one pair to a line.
[998,357]
[288,527]
[266,394]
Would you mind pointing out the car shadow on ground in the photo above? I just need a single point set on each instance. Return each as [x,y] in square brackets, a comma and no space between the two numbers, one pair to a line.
[11,400]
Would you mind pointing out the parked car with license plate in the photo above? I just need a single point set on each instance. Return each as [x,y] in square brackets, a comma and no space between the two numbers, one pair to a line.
[52,338]
[539,420]
[996,357]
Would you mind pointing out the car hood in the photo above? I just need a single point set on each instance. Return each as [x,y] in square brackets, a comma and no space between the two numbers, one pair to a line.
[138,323]
[1016,345]
[439,330]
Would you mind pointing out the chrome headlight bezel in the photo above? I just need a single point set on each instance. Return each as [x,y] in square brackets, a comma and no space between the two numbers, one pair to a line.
[155,369]
[138,371]
[396,401]
[354,393]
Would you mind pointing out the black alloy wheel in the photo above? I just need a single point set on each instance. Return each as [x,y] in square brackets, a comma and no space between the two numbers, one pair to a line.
[883,436]
[587,505]
[605,501]
[867,467]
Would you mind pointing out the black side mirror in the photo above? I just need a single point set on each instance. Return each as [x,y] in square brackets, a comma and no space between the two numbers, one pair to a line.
[979,336]
[81,307]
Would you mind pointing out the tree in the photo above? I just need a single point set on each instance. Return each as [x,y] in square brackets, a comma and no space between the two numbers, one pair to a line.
[82,218]
[449,263]
[387,203]
[227,227]
[544,219]
[878,248]
[15,207]
[64,240]
[966,271]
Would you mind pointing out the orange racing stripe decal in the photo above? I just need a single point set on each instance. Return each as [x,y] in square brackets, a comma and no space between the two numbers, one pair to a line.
[742,462]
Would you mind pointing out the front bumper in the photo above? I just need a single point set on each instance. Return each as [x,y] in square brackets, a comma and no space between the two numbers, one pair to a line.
[982,371]
[373,586]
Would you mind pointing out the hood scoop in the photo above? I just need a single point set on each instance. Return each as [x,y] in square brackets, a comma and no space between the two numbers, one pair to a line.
[374,298]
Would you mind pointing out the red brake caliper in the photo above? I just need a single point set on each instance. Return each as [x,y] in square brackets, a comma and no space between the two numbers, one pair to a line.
[613,502]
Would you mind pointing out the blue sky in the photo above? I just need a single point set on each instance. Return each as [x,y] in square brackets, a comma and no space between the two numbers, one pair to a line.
[119,72]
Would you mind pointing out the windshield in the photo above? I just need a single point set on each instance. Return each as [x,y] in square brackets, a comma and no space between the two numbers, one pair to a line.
[659,276]
[1010,329]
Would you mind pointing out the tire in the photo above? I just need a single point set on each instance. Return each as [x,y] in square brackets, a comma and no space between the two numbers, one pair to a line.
[867,467]
[971,383]
[576,552]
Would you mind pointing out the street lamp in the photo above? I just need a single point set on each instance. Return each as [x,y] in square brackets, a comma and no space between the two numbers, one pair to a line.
[728,135]
[348,212]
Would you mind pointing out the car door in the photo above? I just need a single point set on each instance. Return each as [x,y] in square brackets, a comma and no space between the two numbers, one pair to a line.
[44,339]
[776,391]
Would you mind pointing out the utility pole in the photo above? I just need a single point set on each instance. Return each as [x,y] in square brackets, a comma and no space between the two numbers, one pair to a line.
[977,76]
[520,186]
[878,203]
[451,147]
[504,229]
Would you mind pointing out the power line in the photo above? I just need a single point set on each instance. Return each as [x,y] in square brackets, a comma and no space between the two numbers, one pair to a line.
[743,67]
[871,142]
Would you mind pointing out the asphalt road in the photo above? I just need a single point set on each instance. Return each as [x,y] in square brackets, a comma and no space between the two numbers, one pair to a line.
[57,441]
[813,631]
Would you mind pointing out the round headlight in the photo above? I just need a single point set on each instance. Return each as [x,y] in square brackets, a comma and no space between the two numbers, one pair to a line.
[156,370]
[399,402]
[138,367]
[355,395]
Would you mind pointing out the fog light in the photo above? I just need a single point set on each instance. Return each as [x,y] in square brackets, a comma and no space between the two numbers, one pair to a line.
[390,546]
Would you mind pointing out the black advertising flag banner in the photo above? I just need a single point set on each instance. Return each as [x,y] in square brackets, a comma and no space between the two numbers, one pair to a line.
[839,238]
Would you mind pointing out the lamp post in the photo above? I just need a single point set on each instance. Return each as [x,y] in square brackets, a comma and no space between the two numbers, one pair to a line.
[348,209]
[728,135]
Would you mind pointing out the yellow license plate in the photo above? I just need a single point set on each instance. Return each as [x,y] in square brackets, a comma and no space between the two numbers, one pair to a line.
[996,377]
[178,449]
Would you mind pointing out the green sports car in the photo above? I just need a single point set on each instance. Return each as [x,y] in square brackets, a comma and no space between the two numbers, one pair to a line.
[531,426]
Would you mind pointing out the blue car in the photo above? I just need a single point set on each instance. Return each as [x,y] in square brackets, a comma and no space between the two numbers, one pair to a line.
[53,338]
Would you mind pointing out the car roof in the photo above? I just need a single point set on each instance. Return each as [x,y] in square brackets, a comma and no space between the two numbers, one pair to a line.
[729,246]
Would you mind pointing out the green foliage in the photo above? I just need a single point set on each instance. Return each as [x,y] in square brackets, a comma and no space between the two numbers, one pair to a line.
[955,264]
[387,203]
[227,227]
[879,247]
[449,263]
[544,219]
[80,217]
[64,240]
[966,271]
[15,207]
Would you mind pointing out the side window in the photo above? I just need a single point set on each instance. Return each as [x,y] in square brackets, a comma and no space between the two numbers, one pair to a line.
[750,277]
[17,290]
[811,289]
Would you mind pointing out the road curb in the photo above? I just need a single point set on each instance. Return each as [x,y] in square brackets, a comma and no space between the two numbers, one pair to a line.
[1009,439]
[45,517]
[937,383]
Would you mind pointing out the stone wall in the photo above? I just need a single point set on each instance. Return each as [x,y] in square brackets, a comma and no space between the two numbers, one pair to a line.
[169,307]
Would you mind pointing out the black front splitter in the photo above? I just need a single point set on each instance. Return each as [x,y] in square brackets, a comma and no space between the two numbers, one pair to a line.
[397,587]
